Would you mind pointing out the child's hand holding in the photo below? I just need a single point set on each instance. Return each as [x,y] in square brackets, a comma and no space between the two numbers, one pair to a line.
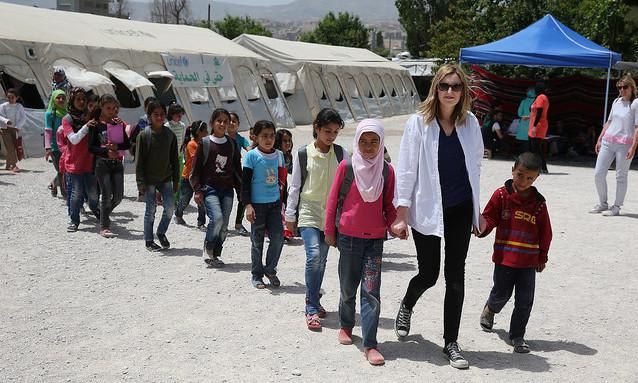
[291,226]
[540,268]
[199,198]
[331,240]
[250,213]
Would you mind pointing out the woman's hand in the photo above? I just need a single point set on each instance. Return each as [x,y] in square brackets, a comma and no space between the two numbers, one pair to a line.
[631,152]
[250,213]
[331,240]
[199,198]
[292,226]
[47,154]
[399,229]
[597,148]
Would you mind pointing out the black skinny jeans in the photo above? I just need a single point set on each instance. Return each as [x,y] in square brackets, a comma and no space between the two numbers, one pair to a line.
[457,222]
[110,177]
[537,146]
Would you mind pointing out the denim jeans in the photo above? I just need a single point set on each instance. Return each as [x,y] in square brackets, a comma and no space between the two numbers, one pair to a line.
[80,185]
[185,195]
[267,217]
[457,223]
[218,205]
[314,241]
[166,190]
[505,280]
[110,177]
[360,263]
[608,152]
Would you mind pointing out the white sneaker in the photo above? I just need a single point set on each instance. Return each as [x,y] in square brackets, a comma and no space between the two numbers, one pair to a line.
[614,211]
[599,208]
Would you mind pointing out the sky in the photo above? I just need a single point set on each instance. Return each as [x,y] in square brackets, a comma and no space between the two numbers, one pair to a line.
[258,2]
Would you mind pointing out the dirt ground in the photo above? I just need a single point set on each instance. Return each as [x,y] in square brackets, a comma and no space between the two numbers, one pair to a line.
[75,307]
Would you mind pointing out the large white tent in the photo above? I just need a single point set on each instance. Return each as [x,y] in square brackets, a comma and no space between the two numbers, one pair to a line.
[355,81]
[129,58]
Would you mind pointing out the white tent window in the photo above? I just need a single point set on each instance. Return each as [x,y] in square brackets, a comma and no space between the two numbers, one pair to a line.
[227,93]
[389,84]
[269,84]
[377,85]
[400,85]
[351,86]
[334,87]
[287,82]
[17,68]
[365,86]
[197,95]
[318,85]
[131,79]
[160,74]
[249,84]
[15,73]
[80,77]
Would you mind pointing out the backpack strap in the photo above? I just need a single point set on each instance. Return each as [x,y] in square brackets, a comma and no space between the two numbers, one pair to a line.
[338,152]
[347,183]
[303,165]
[147,138]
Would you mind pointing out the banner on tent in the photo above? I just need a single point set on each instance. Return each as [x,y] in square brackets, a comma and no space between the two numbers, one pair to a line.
[192,70]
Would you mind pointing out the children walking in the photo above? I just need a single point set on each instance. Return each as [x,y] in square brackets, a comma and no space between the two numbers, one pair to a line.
[107,141]
[241,143]
[360,208]
[195,133]
[314,169]
[523,235]
[12,118]
[283,142]
[216,172]
[157,170]
[262,177]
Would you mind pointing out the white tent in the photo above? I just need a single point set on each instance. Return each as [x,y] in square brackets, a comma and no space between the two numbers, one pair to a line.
[129,58]
[354,81]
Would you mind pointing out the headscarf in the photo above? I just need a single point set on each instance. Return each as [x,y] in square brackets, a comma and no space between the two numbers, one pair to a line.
[75,113]
[368,173]
[59,112]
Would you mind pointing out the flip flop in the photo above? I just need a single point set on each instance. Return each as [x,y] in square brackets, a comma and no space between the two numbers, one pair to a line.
[313,322]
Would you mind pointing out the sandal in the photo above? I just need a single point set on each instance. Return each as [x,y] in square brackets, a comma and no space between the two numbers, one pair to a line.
[54,190]
[313,322]
[322,312]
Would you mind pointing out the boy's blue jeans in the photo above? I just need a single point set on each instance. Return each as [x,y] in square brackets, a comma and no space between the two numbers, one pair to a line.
[507,279]
[185,195]
[218,204]
[360,263]
[79,185]
[314,241]
[267,217]
[166,190]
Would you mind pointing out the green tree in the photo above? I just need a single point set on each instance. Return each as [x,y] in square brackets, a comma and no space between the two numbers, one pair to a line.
[233,26]
[417,17]
[343,29]
[379,45]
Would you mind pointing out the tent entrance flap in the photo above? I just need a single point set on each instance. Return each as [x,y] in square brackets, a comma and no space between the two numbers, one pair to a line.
[83,78]
[131,79]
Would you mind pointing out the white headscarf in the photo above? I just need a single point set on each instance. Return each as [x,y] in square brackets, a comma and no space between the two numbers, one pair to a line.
[368,173]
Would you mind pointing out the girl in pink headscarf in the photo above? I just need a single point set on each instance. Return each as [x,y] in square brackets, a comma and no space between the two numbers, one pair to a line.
[360,208]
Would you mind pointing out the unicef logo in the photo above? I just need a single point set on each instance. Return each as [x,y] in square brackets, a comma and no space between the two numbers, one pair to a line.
[181,61]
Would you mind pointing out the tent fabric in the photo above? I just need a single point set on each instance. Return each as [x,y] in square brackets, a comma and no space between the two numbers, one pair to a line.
[547,43]
[132,80]
[315,76]
[81,77]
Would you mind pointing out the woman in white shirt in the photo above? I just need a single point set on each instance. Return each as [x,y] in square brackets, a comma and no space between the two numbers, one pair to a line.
[437,194]
[617,140]
[12,118]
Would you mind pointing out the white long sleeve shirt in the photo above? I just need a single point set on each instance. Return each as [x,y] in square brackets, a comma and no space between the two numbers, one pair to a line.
[417,174]
[14,113]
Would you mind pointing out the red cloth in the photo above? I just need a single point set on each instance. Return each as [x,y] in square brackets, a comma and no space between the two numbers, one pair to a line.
[523,229]
[62,143]
[360,219]
[78,158]
[541,102]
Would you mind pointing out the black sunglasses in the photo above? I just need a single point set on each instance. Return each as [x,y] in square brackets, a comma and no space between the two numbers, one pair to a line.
[444,87]
[622,87]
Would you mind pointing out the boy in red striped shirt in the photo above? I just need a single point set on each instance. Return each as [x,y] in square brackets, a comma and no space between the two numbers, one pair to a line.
[523,235]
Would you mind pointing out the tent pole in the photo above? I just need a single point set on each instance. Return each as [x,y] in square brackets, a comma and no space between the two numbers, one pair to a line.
[607,91]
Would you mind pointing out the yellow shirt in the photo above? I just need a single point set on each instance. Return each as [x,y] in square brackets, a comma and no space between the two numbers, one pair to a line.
[322,168]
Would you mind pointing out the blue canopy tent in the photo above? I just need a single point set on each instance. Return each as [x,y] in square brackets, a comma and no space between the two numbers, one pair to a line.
[546,43]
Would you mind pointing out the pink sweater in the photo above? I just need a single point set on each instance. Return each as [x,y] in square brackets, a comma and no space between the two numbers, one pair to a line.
[358,218]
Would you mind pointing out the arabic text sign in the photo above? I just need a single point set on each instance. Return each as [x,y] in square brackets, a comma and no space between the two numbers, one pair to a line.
[192,70]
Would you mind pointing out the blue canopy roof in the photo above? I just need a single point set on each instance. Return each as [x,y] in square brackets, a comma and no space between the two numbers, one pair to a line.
[547,43]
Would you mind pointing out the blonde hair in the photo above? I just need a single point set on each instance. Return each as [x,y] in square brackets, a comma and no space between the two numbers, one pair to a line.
[628,80]
[430,108]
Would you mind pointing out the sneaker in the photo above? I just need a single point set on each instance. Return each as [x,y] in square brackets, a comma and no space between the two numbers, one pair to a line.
[599,208]
[613,211]
[153,247]
[345,336]
[454,355]
[179,220]
[106,233]
[258,283]
[72,228]
[242,231]
[487,319]
[373,356]
[214,263]
[520,346]
[274,281]
[402,322]
[163,241]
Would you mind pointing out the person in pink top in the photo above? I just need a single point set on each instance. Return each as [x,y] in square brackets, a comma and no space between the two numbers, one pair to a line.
[361,212]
